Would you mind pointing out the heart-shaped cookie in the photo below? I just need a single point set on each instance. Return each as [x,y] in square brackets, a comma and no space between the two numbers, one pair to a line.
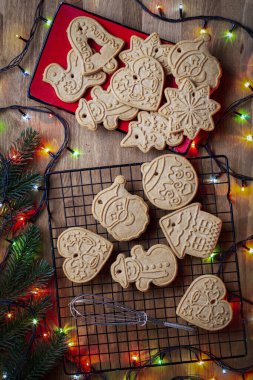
[85,253]
[139,85]
[203,304]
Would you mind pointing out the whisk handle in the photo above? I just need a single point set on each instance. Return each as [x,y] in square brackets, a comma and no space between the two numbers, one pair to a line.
[170,324]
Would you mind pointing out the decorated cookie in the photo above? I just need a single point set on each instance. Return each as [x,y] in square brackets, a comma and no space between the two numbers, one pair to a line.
[151,47]
[140,84]
[170,181]
[203,304]
[104,108]
[124,215]
[151,131]
[191,231]
[85,253]
[80,30]
[158,265]
[192,60]
[71,84]
[189,109]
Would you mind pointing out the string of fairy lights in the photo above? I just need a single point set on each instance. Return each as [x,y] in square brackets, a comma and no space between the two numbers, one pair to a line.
[233,109]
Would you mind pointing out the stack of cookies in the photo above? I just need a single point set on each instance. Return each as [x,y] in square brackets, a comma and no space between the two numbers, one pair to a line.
[170,183]
[137,89]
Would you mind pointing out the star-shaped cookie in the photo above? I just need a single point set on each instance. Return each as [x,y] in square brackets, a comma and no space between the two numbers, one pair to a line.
[151,47]
[189,109]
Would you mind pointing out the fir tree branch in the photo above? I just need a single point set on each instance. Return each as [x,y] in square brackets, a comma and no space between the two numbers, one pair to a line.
[21,323]
[44,356]
[25,147]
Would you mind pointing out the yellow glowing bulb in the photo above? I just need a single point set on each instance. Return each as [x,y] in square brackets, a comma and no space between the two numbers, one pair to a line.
[17,35]
[134,358]
[9,315]
[242,188]
[193,144]
[203,31]
[251,250]
[247,84]
[249,138]
[200,362]
[159,7]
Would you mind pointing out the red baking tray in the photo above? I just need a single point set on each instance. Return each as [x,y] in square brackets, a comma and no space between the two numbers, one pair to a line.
[55,49]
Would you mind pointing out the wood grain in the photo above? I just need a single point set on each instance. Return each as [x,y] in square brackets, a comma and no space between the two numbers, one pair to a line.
[101,148]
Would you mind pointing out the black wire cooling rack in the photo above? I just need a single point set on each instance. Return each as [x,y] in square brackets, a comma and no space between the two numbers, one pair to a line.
[106,348]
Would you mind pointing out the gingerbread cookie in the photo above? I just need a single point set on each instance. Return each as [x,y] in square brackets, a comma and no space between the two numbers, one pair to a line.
[151,47]
[170,181]
[80,30]
[85,252]
[203,304]
[104,108]
[140,84]
[71,84]
[192,60]
[191,231]
[125,216]
[158,265]
[189,109]
[151,131]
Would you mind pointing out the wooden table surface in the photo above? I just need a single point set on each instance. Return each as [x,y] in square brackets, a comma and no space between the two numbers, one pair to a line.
[102,148]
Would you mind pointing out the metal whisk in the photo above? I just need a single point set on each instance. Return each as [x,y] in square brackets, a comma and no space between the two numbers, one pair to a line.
[91,309]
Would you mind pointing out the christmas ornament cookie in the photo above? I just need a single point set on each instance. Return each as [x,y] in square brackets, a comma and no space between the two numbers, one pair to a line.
[191,231]
[192,60]
[151,131]
[85,253]
[104,108]
[80,30]
[151,47]
[71,84]
[170,181]
[189,109]
[158,265]
[125,216]
[203,304]
[139,84]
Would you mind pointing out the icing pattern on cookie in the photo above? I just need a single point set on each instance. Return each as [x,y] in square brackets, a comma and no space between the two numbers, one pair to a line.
[191,231]
[170,181]
[124,215]
[151,131]
[203,304]
[83,28]
[151,46]
[158,265]
[140,84]
[71,84]
[192,60]
[104,108]
[189,109]
[85,253]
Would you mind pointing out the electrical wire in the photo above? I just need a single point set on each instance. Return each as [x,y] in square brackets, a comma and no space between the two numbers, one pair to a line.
[194,18]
